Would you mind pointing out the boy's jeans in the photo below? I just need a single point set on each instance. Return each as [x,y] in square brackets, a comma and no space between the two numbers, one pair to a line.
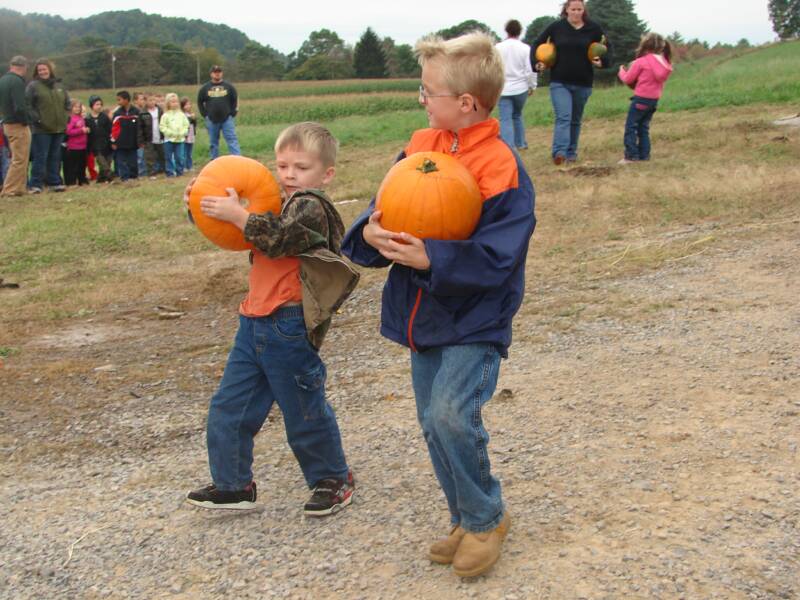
[228,129]
[512,129]
[125,161]
[140,164]
[173,158]
[273,361]
[187,156]
[46,167]
[568,103]
[637,128]
[451,384]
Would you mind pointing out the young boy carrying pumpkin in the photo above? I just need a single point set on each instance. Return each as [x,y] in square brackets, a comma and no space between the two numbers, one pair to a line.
[297,281]
[451,302]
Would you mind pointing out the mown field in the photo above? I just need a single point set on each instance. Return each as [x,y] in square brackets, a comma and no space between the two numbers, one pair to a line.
[78,240]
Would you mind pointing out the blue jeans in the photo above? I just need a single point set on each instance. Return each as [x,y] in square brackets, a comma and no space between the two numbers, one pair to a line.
[228,130]
[125,162]
[46,163]
[173,158]
[568,104]
[187,156]
[512,129]
[5,161]
[141,167]
[451,384]
[637,128]
[273,361]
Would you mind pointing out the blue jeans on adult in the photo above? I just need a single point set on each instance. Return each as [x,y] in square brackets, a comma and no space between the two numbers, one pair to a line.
[637,128]
[141,166]
[568,103]
[187,156]
[512,129]
[46,163]
[173,158]
[125,162]
[451,384]
[273,361]
[228,129]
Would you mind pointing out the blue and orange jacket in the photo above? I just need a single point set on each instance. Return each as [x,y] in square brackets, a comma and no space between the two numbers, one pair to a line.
[475,286]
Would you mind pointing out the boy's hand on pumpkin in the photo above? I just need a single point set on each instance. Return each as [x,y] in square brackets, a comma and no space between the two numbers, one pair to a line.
[405,249]
[225,208]
[375,235]
[187,191]
[597,62]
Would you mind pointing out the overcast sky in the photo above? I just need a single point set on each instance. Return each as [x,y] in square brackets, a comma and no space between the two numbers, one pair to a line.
[285,25]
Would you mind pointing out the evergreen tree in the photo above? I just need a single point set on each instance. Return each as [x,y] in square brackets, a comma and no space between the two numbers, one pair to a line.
[467,27]
[621,24]
[256,62]
[369,61]
[535,28]
[785,17]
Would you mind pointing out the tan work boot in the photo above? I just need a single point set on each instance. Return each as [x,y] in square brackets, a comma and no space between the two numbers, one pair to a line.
[443,550]
[477,552]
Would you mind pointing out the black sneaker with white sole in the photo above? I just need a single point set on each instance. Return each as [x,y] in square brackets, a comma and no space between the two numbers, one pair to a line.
[330,496]
[211,497]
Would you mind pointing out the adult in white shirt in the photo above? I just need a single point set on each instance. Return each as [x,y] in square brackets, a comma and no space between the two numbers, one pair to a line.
[521,80]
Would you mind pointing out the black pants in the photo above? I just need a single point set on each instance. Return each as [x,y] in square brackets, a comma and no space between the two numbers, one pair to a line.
[126,163]
[75,167]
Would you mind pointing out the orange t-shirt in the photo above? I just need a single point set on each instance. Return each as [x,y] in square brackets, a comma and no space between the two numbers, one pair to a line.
[273,282]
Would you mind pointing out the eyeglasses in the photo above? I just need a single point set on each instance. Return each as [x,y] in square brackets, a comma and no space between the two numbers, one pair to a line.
[423,95]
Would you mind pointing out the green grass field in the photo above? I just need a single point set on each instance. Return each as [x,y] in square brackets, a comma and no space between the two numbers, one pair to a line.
[57,244]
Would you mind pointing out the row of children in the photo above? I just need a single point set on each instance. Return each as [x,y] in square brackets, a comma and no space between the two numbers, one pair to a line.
[451,303]
[154,134]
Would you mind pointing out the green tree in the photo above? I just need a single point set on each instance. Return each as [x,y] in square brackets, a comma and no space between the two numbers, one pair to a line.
[177,65]
[256,62]
[89,65]
[369,61]
[320,42]
[336,65]
[785,17]
[535,28]
[622,26]
[467,27]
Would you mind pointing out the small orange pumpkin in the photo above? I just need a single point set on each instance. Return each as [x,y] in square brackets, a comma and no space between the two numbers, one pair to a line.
[597,49]
[430,195]
[255,185]
[546,53]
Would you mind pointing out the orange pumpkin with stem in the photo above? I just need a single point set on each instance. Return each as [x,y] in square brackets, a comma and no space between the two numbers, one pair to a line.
[257,189]
[430,195]
[546,53]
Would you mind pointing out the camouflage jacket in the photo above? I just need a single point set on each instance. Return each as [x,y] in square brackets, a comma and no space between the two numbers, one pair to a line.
[310,228]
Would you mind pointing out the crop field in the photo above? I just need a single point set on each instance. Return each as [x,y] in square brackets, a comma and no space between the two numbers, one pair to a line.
[645,429]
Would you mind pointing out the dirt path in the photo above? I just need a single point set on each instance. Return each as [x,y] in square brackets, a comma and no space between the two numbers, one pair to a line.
[650,456]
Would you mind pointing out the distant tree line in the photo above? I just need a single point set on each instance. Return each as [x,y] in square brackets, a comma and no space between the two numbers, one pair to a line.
[134,48]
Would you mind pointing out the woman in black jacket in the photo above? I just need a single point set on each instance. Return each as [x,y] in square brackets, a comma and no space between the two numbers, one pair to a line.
[572,75]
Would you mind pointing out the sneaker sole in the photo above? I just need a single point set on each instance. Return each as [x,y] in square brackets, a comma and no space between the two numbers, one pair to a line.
[231,506]
[329,511]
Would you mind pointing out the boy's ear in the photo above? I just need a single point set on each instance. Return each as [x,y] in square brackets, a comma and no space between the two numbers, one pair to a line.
[330,173]
[468,103]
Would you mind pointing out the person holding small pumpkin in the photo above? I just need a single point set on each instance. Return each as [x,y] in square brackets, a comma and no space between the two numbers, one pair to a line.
[297,281]
[451,301]
[575,46]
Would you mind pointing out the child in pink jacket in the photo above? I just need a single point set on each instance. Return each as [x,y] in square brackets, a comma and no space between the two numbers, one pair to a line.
[647,76]
[77,140]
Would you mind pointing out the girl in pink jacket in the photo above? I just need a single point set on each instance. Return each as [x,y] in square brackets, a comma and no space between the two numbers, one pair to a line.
[75,157]
[647,76]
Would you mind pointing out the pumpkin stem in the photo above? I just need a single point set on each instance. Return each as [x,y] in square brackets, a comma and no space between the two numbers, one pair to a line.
[427,166]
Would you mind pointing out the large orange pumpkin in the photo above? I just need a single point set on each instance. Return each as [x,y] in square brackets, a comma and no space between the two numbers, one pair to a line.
[431,196]
[255,185]
[546,53]
[597,49]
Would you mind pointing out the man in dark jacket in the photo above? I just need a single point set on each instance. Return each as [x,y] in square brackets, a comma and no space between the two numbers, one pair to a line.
[49,106]
[14,116]
[126,137]
[218,103]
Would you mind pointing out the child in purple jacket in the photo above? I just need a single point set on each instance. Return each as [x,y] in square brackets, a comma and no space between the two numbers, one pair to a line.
[77,140]
[647,76]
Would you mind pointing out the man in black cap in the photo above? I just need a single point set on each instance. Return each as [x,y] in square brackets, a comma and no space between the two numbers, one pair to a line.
[218,103]
[15,119]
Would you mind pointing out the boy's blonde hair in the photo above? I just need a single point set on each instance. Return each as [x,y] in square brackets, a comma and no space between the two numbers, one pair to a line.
[169,98]
[309,137]
[470,65]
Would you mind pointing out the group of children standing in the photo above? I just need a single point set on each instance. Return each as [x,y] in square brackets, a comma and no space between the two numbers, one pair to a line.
[155,134]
